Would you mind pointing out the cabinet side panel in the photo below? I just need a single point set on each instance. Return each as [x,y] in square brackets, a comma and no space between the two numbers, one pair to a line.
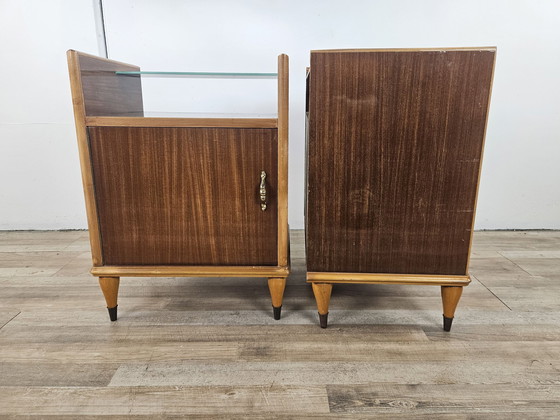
[185,196]
[106,93]
[394,148]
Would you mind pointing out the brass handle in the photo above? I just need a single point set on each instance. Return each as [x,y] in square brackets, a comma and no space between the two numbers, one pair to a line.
[262,190]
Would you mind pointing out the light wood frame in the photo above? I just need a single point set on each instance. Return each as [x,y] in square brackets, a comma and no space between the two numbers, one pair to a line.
[83,149]
[381,278]
[283,117]
[109,275]
[181,122]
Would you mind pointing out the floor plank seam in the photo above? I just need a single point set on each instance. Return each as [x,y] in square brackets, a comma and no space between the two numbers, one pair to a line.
[514,263]
[71,261]
[9,320]
[496,296]
[78,240]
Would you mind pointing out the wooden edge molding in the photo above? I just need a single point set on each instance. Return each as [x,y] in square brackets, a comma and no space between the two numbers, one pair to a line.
[380,278]
[190,271]
[407,49]
[181,122]
[480,163]
[84,153]
[96,57]
[283,117]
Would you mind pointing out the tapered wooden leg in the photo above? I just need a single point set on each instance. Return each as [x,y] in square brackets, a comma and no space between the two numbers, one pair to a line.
[322,292]
[110,289]
[450,296]
[276,285]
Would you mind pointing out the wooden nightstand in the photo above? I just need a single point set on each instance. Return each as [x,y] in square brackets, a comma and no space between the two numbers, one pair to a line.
[179,196]
[394,150]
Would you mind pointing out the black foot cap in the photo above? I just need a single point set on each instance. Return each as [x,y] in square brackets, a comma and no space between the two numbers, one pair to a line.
[447,323]
[323,320]
[113,313]
[277,311]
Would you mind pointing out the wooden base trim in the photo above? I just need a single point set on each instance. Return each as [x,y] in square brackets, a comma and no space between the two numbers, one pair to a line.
[181,122]
[190,271]
[381,278]
[406,49]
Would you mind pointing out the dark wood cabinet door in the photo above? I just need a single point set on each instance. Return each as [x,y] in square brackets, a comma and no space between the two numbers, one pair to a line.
[394,151]
[185,196]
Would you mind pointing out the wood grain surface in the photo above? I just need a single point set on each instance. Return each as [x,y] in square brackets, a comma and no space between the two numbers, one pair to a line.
[106,93]
[394,149]
[283,135]
[216,351]
[376,278]
[185,196]
[191,271]
[78,103]
[135,121]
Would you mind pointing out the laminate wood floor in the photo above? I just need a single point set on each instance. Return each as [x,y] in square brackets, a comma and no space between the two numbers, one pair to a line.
[207,348]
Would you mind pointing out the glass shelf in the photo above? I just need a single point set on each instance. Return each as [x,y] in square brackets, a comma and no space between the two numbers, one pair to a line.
[201,74]
[151,114]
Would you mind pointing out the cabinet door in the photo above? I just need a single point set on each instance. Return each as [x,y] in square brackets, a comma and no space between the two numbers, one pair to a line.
[394,151]
[185,196]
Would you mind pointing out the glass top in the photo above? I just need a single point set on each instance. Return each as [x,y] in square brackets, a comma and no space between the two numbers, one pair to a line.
[198,74]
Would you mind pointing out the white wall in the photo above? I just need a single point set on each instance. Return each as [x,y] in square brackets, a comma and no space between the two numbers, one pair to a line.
[39,174]
[40,184]
[521,175]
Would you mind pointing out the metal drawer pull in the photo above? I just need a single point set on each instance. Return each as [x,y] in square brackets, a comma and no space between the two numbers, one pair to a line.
[262,190]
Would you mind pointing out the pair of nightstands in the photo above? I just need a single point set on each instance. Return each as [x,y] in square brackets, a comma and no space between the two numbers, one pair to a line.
[394,147]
